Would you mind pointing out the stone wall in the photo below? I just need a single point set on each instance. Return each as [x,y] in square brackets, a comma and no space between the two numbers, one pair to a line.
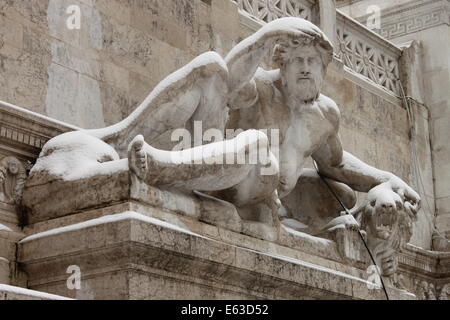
[97,75]
[427,22]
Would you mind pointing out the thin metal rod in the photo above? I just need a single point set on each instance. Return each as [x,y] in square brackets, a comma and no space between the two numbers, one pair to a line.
[359,231]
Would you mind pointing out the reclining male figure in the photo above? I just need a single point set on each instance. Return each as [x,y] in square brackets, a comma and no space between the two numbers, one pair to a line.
[287,99]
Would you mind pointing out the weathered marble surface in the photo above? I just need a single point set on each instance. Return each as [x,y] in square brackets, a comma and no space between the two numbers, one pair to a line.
[145,258]
[97,166]
[117,70]
[390,120]
[413,264]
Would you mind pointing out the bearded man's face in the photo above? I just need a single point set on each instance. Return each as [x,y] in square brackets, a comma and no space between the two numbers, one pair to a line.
[303,73]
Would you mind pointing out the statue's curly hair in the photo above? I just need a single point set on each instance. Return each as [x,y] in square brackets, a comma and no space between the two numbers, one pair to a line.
[281,51]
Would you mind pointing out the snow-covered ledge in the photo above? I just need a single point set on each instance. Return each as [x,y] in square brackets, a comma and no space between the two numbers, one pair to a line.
[17,293]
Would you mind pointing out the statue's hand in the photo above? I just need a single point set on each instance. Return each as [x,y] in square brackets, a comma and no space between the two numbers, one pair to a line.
[410,198]
[286,29]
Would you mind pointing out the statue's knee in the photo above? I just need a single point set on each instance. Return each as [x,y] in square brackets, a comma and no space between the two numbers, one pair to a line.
[323,189]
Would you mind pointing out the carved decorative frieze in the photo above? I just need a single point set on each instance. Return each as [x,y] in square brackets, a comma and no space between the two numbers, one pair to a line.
[426,290]
[412,17]
[365,53]
[412,24]
[269,10]
[24,133]
[445,292]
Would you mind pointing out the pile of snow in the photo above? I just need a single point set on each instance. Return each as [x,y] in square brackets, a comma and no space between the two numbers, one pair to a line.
[77,155]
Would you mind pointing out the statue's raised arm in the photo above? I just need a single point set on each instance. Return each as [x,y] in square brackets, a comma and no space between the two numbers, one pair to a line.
[245,58]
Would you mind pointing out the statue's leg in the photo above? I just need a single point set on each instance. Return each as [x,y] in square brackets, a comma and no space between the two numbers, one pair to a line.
[250,186]
[213,167]
[313,204]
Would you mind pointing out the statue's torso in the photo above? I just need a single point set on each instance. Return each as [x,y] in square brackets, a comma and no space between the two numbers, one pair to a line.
[308,130]
[301,132]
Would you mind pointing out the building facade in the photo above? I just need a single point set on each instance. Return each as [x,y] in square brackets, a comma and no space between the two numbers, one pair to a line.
[71,64]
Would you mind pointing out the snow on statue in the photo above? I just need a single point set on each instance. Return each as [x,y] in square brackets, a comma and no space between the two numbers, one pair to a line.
[236,93]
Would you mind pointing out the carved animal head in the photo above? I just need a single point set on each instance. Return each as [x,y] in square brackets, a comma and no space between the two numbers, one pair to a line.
[381,214]
[388,227]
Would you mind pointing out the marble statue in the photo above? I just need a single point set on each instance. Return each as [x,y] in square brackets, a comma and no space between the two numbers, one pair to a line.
[236,93]
[288,98]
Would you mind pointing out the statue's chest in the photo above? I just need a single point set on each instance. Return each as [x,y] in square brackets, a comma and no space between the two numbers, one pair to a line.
[308,130]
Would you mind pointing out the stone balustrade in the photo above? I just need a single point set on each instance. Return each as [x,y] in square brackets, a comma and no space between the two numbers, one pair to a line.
[368,54]
[268,10]
[362,51]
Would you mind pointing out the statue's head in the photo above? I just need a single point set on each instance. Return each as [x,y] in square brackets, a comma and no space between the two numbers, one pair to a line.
[303,62]
[14,165]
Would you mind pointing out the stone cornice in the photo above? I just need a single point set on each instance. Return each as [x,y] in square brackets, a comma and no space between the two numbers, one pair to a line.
[413,17]
[428,263]
[23,133]
[343,3]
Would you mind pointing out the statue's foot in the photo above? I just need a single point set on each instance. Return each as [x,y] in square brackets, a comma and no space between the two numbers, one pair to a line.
[137,157]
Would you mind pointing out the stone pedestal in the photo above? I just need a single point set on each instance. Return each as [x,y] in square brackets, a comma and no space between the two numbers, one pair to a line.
[9,235]
[151,244]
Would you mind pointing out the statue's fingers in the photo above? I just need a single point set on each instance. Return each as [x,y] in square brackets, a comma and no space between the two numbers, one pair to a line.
[401,193]
[412,195]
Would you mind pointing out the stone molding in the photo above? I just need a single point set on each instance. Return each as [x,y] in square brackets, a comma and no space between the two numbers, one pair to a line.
[23,133]
[343,3]
[412,17]
[428,272]
[144,248]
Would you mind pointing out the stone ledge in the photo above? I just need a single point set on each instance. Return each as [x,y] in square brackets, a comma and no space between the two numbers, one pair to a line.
[126,255]
[435,264]
[23,133]
[182,210]
[17,293]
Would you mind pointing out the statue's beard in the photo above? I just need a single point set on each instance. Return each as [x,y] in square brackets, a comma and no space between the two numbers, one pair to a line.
[304,90]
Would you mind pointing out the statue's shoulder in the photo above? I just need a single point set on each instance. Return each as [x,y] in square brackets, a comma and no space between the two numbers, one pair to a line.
[329,108]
